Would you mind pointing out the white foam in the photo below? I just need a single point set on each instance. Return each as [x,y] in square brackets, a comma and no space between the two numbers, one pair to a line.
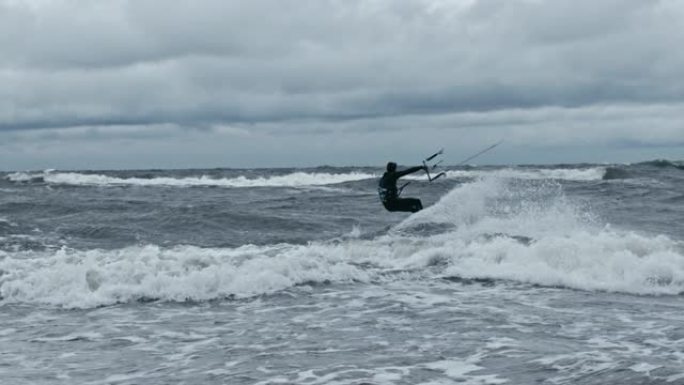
[533,233]
[524,232]
[454,369]
[569,174]
[494,205]
[74,278]
[606,260]
[644,367]
[21,177]
[295,179]
[584,260]
[462,371]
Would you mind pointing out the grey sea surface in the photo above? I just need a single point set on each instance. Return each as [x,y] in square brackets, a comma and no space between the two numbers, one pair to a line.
[563,274]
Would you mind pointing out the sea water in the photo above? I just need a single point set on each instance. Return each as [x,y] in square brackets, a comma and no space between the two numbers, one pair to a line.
[566,274]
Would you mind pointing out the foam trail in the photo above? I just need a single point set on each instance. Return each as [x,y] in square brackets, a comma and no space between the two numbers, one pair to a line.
[494,205]
[566,174]
[461,206]
[296,179]
[569,174]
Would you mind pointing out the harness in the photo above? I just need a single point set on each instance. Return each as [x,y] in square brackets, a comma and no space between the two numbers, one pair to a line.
[386,195]
[389,194]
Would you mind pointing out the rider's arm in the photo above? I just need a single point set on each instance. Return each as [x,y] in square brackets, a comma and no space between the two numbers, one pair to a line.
[409,171]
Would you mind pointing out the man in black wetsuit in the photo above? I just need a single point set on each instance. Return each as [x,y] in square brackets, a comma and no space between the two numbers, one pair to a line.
[389,194]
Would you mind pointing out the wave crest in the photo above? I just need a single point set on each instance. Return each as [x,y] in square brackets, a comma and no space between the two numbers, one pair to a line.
[522,231]
[295,179]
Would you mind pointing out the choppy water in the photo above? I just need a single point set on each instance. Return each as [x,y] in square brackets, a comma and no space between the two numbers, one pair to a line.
[567,274]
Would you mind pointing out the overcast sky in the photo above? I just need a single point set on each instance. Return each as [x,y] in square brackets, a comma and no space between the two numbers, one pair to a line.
[257,83]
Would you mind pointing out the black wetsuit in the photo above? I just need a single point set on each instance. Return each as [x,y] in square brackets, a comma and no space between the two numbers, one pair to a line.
[389,194]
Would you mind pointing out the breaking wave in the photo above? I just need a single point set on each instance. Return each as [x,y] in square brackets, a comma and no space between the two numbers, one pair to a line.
[569,174]
[492,228]
[296,179]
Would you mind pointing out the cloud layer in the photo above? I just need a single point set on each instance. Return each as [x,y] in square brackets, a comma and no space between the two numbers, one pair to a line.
[332,73]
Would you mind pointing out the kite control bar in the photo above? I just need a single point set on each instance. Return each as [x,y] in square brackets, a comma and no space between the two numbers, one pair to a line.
[434,166]
[427,169]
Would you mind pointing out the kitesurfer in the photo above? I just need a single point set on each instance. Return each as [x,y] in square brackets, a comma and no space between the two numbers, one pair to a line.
[389,194]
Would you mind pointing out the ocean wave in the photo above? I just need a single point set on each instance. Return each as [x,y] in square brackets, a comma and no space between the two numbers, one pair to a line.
[568,174]
[663,163]
[531,232]
[613,173]
[498,229]
[84,279]
[605,261]
[295,179]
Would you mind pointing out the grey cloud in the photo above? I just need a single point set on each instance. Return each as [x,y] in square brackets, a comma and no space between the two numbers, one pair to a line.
[323,66]
[363,60]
